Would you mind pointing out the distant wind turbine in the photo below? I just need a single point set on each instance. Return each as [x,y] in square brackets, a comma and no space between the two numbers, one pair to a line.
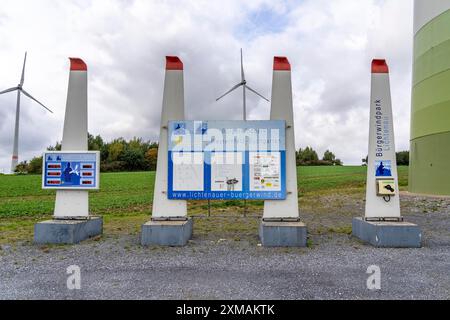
[19,88]
[244,85]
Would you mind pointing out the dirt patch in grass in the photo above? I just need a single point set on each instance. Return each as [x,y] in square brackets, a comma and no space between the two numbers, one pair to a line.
[124,224]
[227,228]
[18,229]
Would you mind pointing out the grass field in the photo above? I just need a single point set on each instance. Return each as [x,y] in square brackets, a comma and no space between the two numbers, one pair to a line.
[125,199]
[133,192]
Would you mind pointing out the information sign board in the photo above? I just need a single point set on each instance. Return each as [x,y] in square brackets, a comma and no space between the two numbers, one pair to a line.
[227,160]
[71,170]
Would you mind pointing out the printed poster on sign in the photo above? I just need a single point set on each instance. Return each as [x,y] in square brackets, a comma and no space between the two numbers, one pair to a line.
[265,171]
[226,171]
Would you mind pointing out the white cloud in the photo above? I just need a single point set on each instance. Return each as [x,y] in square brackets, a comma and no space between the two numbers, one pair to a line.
[329,43]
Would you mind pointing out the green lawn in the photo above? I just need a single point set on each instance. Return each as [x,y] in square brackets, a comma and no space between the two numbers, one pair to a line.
[123,193]
[125,199]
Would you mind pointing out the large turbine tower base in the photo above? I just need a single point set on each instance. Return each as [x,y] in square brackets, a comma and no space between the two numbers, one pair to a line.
[429,167]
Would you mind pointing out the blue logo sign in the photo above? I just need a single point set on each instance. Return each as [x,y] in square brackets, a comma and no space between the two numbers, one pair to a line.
[383,168]
[70,170]
[179,128]
[202,127]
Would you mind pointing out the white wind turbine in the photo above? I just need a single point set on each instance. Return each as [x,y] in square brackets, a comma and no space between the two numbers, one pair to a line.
[244,85]
[19,88]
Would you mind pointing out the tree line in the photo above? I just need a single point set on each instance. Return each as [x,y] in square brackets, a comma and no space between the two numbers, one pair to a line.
[309,157]
[118,155]
[402,158]
[137,154]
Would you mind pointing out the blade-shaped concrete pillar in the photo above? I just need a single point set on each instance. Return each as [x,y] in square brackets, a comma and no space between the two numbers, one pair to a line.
[381,145]
[172,109]
[281,224]
[382,225]
[169,225]
[282,109]
[74,203]
[72,223]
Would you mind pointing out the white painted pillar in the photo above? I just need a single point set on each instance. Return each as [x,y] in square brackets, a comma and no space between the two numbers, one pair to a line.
[282,109]
[172,109]
[381,145]
[74,203]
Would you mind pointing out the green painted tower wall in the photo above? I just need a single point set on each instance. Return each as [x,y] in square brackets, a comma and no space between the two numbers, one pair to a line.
[429,171]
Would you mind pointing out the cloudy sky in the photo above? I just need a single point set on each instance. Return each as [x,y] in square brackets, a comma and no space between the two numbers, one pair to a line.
[330,44]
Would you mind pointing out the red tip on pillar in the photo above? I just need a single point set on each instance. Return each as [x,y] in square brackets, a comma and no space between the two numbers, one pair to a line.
[76,64]
[379,66]
[281,64]
[173,63]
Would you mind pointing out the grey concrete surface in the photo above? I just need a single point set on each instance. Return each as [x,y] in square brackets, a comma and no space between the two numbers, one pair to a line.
[385,234]
[283,234]
[67,231]
[166,233]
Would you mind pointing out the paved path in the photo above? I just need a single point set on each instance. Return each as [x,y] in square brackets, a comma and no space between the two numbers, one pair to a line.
[333,268]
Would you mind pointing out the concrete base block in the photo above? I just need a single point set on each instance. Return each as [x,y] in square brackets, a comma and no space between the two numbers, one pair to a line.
[282,234]
[167,233]
[67,231]
[387,234]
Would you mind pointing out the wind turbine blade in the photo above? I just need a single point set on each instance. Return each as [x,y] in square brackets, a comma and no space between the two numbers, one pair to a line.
[8,90]
[257,93]
[242,68]
[22,79]
[32,98]
[229,91]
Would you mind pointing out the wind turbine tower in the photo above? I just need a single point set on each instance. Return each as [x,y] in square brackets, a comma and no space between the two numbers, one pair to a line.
[20,90]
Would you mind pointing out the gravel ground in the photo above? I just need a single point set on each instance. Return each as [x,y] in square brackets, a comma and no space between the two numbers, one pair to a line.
[333,267]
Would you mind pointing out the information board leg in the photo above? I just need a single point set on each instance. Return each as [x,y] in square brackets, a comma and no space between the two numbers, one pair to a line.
[209,208]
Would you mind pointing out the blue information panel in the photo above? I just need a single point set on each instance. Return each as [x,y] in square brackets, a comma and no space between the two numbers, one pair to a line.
[71,170]
[227,160]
